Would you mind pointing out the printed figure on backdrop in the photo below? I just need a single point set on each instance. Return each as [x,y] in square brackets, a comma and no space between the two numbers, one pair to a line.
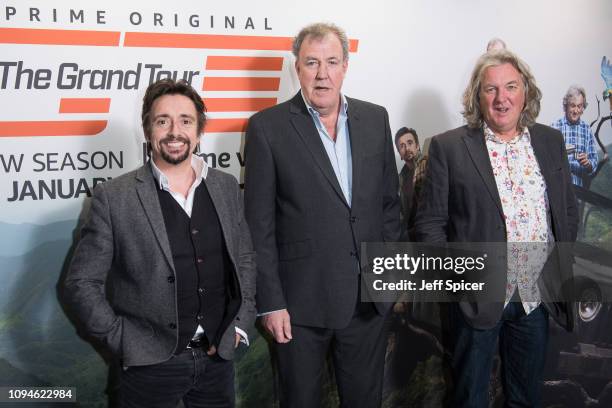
[164,272]
[411,176]
[320,179]
[606,75]
[496,44]
[502,178]
[579,139]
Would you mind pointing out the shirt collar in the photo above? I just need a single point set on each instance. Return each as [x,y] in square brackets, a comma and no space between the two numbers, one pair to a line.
[490,135]
[315,113]
[198,165]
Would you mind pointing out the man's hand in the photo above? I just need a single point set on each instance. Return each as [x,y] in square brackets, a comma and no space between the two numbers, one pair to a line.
[278,325]
[583,159]
[237,341]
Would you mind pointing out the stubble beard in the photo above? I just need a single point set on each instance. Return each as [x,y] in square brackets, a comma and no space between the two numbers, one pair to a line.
[173,159]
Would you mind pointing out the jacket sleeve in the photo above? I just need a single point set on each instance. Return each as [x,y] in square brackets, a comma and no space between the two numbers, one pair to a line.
[84,284]
[260,210]
[246,269]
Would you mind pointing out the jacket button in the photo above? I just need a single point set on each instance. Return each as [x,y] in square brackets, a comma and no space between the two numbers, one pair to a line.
[353,219]
[194,231]
[172,325]
[200,317]
[201,290]
[200,259]
[170,279]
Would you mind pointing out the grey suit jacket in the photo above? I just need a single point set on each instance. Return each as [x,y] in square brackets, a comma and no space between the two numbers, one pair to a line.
[306,235]
[460,203]
[120,283]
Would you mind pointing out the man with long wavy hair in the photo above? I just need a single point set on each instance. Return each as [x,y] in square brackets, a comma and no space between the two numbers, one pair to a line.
[502,178]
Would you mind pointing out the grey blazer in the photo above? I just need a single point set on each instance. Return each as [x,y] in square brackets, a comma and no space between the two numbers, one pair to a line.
[120,283]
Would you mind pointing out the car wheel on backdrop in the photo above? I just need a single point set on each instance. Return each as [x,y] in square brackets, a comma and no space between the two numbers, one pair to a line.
[588,309]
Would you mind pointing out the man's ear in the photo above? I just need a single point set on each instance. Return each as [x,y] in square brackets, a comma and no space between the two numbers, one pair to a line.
[146,134]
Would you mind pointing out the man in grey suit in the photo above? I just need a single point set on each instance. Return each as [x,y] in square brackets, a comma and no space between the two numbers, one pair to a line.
[503,178]
[320,179]
[164,272]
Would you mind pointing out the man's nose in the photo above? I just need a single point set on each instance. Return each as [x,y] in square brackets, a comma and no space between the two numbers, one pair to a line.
[501,95]
[174,127]
[322,71]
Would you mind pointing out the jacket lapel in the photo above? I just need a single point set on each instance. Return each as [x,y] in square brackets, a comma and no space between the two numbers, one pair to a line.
[541,152]
[477,149]
[147,194]
[540,149]
[307,131]
[358,138]
[221,207]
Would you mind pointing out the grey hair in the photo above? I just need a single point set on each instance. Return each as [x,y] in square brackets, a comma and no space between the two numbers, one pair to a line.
[574,90]
[471,96]
[319,31]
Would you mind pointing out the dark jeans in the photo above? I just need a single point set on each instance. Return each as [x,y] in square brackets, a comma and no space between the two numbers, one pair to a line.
[191,376]
[522,348]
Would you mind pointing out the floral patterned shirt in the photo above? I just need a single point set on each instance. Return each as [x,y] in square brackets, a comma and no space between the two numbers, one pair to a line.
[522,191]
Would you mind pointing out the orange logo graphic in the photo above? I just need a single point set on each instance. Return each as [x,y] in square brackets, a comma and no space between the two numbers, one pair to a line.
[211,82]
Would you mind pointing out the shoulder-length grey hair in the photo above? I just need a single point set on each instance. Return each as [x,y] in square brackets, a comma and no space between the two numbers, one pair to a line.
[471,96]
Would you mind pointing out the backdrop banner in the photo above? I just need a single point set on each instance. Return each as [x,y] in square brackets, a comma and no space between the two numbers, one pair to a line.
[72,78]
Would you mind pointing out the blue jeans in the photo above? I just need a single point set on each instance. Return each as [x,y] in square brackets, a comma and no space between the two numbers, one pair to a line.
[192,376]
[522,348]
